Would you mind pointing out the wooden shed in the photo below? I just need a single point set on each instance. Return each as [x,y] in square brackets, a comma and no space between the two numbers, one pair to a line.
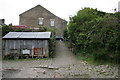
[27,43]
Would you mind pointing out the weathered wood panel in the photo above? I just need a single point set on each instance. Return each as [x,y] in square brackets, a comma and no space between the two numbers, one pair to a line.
[20,45]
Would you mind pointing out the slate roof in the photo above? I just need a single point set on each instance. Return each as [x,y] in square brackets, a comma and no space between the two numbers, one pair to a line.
[27,35]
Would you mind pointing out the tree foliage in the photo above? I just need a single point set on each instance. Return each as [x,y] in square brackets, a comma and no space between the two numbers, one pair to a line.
[95,33]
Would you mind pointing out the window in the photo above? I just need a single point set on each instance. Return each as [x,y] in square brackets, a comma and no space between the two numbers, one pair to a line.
[52,22]
[41,21]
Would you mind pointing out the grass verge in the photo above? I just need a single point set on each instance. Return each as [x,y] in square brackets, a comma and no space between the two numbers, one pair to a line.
[91,60]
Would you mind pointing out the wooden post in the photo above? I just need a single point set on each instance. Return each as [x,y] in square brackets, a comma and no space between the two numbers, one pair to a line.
[32,53]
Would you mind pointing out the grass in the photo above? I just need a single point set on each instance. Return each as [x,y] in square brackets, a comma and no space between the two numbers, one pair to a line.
[91,60]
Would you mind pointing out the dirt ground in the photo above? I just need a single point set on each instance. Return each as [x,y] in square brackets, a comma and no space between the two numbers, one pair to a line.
[64,65]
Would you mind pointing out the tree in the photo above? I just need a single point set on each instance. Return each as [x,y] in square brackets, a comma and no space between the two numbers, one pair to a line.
[95,33]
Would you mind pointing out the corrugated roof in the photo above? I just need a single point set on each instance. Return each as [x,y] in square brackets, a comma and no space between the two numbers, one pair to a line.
[27,35]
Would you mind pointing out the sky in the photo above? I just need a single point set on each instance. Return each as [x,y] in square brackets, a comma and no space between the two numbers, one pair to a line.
[10,9]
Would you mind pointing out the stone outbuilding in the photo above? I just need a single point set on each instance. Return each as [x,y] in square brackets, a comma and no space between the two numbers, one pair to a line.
[40,16]
[32,44]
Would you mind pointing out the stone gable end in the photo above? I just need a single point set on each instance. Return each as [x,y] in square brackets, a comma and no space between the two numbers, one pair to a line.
[31,17]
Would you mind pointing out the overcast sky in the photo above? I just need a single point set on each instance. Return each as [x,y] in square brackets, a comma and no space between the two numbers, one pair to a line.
[10,9]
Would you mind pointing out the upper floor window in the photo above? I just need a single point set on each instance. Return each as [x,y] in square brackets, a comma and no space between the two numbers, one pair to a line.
[41,21]
[52,22]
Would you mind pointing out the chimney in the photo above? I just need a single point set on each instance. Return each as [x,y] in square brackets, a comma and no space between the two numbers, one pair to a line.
[2,21]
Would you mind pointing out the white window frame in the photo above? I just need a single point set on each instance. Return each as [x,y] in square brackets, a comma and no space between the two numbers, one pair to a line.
[41,21]
[52,22]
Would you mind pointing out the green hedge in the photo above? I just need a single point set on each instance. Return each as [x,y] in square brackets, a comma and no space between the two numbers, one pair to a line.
[95,33]
[52,42]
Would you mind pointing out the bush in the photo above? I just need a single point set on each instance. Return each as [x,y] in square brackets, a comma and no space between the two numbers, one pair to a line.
[65,34]
[6,29]
[52,42]
[95,33]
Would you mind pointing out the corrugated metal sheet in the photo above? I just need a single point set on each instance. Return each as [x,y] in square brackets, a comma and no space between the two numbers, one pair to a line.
[29,35]
[12,35]
[37,35]
[42,35]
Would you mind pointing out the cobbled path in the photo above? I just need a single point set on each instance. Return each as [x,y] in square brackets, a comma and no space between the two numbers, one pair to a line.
[64,65]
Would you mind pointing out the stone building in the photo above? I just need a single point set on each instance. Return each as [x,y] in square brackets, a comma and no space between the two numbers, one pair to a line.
[39,16]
